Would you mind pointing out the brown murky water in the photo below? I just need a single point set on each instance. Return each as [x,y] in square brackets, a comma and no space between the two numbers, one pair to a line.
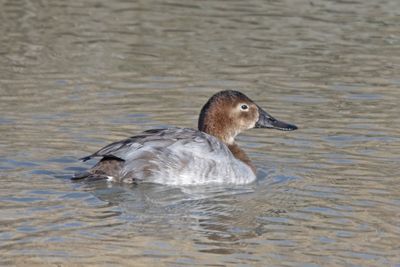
[76,76]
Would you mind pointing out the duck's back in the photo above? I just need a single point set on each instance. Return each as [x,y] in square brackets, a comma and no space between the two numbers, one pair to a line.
[177,156]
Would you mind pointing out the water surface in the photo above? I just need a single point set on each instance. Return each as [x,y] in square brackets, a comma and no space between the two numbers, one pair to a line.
[76,76]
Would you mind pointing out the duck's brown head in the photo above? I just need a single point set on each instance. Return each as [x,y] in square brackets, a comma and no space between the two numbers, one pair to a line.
[228,113]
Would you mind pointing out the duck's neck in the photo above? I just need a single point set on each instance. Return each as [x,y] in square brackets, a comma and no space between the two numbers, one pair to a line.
[217,124]
[219,130]
[241,155]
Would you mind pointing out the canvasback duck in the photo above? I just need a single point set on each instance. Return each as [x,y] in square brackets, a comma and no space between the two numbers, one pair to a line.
[184,156]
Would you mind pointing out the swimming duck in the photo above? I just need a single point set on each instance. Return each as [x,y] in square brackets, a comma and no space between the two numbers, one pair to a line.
[184,156]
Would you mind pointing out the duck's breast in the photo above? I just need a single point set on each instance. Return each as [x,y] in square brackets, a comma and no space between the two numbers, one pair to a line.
[202,159]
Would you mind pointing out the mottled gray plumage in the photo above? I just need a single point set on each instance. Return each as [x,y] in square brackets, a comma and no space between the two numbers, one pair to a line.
[169,156]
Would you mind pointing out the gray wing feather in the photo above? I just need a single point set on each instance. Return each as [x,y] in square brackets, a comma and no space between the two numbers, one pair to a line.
[156,138]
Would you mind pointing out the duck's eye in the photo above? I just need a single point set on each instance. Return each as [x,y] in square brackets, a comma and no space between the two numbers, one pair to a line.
[244,107]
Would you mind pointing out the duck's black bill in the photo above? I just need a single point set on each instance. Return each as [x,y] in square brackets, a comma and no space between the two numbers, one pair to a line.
[267,121]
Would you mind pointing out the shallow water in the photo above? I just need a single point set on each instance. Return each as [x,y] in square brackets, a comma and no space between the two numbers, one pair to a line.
[76,76]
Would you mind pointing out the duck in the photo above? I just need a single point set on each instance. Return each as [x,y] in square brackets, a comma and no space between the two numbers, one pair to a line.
[186,156]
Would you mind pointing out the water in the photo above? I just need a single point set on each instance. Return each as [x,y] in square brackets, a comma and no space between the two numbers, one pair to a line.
[76,76]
